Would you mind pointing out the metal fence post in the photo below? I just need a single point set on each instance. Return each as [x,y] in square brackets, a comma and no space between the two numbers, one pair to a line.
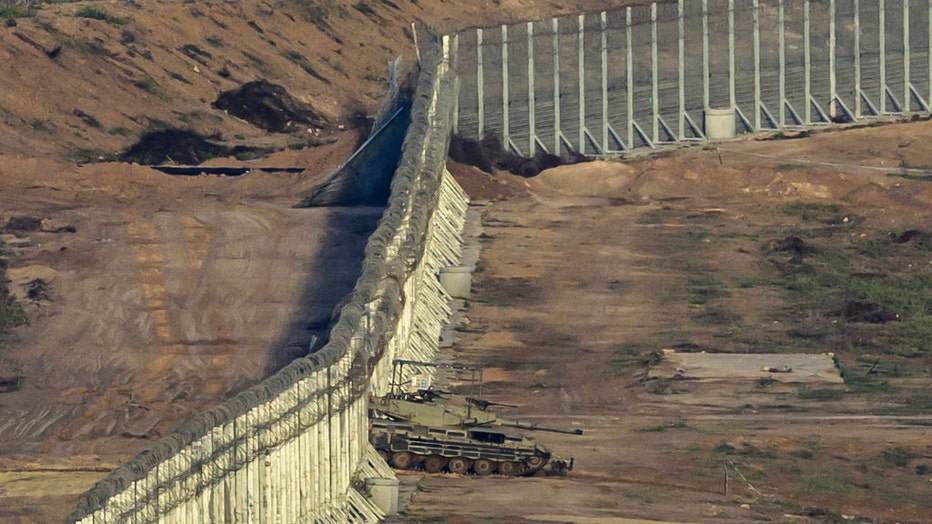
[629,79]
[756,44]
[807,64]
[882,38]
[556,88]
[781,31]
[603,26]
[681,69]
[480,85]
[531,100]
[581,73]
[705,55]
[832,88]
[906,79]
[731,54]
[456,99]
[506,132]
[654,69]
[857,59]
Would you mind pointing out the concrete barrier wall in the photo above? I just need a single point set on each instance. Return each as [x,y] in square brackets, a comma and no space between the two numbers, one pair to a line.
[295,447]
[606,83]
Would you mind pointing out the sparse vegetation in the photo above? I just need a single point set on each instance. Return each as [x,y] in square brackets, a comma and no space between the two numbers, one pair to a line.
[659,428]
[336,65]
[89,156]
[11,312]
[9,12]
[897,456]
[820,394]
[815,212]
[301,142]
[312,13]
[300,60]
[98,13]
[826,479]
[196,53]
[911,176]
[375,77]
[147,84]
[88,120]
[704,286]
[364,8]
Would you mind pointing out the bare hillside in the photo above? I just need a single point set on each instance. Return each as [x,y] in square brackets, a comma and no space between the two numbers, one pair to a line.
[82,80]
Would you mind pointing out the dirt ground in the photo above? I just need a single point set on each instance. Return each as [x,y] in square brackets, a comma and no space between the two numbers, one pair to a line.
[173,293]
[584,271]
[152,297]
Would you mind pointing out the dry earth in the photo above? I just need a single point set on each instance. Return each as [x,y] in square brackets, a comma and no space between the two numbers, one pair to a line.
[586,270]
[172,294]
[175,292]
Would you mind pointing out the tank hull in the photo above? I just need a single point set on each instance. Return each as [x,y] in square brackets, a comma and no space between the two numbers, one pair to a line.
[476,450]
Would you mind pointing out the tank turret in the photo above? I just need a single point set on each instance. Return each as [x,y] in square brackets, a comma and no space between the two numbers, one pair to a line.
[429,408]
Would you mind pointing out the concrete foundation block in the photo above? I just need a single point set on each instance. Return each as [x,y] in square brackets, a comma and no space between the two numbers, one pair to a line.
[384,493]
[457,280]
[720,123]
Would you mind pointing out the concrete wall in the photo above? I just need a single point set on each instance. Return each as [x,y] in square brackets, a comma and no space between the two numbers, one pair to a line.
[605,83]
[295,447]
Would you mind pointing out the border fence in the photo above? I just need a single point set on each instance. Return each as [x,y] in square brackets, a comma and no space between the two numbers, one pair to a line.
[605,83]
[295,447]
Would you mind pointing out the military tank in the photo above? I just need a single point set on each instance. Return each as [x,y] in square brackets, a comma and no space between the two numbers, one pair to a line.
[425,430]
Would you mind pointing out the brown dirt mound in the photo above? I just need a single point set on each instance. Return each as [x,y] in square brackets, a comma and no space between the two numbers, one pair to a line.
[489,153]
[860,311]
[181,147]
[270,107]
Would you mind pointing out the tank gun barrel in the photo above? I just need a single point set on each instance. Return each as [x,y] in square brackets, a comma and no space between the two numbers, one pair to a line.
[484,404]
[525,424]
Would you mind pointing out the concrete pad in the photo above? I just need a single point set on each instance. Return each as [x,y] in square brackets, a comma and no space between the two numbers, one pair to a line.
[788,367]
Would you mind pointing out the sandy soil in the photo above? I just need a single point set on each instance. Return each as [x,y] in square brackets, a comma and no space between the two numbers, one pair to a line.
[171,294]
[583,262]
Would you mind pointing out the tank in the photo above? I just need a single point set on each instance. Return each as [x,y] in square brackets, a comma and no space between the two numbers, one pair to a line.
[426,430]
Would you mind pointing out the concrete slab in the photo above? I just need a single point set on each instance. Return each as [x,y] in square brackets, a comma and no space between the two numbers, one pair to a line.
[788,367]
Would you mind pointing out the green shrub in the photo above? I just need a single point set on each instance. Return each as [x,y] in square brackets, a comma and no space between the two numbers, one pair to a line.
[898,456]
[11,312]
[815,212]
[14,11]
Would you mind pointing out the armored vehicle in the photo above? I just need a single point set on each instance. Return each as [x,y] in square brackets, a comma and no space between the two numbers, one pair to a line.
[413,430]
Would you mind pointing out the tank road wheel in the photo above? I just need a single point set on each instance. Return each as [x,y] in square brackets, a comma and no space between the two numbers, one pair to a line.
[483,467]
[458,465]
[434,464]
[535,464]
[402,460]
[507,468]
[521,469]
